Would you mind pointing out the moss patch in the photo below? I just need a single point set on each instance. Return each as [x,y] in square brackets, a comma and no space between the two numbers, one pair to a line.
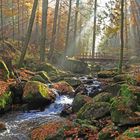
[4,70]
[5,99]
[34,88]
[79,101]
[91,111]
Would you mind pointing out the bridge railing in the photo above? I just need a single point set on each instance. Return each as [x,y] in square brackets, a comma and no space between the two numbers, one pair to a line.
[98,56]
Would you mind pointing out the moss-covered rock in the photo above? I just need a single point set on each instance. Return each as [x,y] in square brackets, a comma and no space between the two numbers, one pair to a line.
[79,101]
[135,90]
[94,110]
[130,134]
[123,108]
[72,81]
[44,75]
[76,66]
[64,88]
[50,69]
[106,74]
[37,94]
[5,101]
[4,72]
[38,78]
[108,133]
[120,78]
[103,97]
[114,89]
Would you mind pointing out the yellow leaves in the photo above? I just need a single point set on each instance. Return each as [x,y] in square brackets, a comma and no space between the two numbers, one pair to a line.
[9,12]
[112,30]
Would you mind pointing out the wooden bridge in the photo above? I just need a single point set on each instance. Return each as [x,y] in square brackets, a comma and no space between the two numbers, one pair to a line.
[99,57]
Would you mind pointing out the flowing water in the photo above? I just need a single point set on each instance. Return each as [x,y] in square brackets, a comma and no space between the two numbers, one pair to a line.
[20,124]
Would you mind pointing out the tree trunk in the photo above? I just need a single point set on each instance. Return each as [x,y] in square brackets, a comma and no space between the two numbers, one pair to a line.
[126,26]
[75,26]
[94,28]
[29,31]
[13,21]
[122,37]
[44,28]
[52,46]
[68,28]
[1,16]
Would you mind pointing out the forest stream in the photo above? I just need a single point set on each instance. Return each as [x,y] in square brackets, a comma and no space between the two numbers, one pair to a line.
[20,124]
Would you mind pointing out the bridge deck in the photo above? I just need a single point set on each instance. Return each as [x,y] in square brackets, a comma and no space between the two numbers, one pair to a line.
[99,57]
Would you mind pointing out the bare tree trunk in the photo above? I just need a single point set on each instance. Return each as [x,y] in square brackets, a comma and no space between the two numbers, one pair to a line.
[126,27]
[1,16]
[18,6]
[27,38]
[75,26]
[43,30]
[13,21]
[122,37]
[58,26]
[94,28]
[68,28]
[52,46]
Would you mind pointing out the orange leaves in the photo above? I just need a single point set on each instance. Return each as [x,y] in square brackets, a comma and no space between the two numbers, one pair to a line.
[63,87]
[42,132]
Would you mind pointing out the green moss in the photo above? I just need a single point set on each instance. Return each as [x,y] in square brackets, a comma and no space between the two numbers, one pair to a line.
[79,101]
[44,75]
[38,78]
[51,70]
[34,88]
[5,70]
[82,111]
[125,97]
[93,110]
[105,136]
[5,99]
[130,80]
[43,90]
[133,132]
[72,81]
[103,97]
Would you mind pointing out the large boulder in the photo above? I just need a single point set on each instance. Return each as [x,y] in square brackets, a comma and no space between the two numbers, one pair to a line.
[114,89]
[44,75]
[51,70]
[17,92]
[124,108]
[79,101]
[5,101]
[38,78]
[64,88]
[106,74]
[76,66]
[37,94]
[135,90]
[4,72]
[74,82]
[121,78]
[103,97]
[94,110]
